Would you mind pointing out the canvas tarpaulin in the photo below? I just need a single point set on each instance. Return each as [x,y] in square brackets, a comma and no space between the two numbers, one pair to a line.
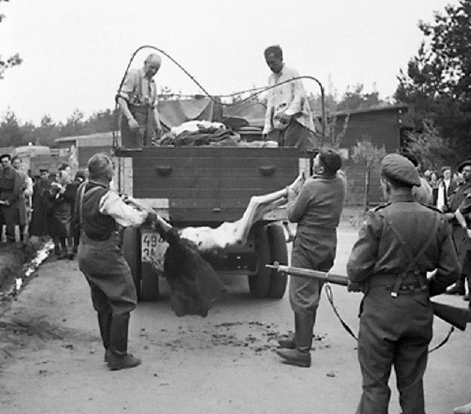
[175,112]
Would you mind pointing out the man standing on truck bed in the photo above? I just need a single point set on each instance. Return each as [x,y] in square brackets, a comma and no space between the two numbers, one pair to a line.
[288,119]
[137,99]
[99,211]
[316,209]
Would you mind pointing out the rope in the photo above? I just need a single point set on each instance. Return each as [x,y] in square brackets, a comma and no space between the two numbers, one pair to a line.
[330,297]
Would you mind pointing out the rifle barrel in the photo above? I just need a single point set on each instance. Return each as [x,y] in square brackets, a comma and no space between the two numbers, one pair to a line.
[457,317]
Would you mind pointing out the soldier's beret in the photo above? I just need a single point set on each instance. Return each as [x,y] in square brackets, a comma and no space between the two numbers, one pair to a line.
[463,164]
[399,168]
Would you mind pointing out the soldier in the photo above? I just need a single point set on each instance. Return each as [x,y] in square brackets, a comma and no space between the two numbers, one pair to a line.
[398,244]
[99,211]
[140,123]
[316,209]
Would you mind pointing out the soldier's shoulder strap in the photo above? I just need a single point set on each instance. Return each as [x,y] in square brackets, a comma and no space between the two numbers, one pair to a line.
[380,207]
[433,208]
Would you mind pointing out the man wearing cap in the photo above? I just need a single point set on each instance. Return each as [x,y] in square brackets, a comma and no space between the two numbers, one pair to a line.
[137,99]
[398,244]
[288,118]
[99,210]
[458,214]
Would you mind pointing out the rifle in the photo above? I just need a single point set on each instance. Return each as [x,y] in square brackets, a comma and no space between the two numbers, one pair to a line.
[458,317]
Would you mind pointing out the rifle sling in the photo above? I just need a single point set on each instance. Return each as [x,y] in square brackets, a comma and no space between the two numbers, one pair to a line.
[407,249]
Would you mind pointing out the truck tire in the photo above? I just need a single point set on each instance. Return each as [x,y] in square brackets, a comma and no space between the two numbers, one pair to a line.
[278,253]
[149,283]
[131,246]
[259,283]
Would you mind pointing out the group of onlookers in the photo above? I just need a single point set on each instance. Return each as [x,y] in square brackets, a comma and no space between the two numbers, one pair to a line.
[42,207]
[443,184]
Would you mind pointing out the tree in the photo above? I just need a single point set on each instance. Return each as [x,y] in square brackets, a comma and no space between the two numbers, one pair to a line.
[12,60]
[366,154]
[10,131]
[430,148]
[355,99]
[437,83]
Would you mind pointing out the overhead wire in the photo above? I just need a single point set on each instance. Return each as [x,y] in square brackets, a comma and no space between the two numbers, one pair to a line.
[254,91]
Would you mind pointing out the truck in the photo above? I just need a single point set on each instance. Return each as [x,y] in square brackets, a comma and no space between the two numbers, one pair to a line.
[206,186]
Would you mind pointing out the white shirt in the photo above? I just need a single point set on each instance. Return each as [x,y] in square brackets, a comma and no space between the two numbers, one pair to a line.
[289,95]
[442,189]
[112,205]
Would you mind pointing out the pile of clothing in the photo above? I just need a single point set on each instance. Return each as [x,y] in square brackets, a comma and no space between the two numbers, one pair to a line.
[199,133]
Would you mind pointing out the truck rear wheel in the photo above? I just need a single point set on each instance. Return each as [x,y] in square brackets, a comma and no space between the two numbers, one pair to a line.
[259,283]
[132,254]
[279,253]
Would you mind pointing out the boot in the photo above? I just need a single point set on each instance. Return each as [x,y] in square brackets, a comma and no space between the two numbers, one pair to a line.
[104,323]
[468,283]
[118,357]
[465,409]
[287,343]
[458,287]
[301,355]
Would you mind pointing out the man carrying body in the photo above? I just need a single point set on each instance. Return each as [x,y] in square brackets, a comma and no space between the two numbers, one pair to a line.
[10,189]
[99,211]
[137,99]
[316,209]
[288,118]
[398,244]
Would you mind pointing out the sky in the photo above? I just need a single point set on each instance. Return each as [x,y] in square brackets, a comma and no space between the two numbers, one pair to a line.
[75,53]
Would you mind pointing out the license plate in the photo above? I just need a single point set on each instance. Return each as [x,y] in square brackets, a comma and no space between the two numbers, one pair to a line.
[151,244]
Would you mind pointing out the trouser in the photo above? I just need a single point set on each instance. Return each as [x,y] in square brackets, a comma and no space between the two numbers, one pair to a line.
[63,245]
[294,135]
[316,253]
[9,217]
[112,288]
[144,135]
[394,332]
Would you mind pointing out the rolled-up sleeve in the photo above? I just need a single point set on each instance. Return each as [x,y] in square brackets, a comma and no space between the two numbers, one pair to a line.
[111,204]
[364,254]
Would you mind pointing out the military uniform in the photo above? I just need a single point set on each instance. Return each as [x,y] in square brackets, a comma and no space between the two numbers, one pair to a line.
[398,244]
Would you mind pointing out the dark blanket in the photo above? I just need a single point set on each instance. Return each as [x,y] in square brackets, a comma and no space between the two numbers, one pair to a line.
[195,285]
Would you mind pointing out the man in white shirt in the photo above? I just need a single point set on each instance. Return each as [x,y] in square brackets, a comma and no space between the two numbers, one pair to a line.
[288,118]
[446,187]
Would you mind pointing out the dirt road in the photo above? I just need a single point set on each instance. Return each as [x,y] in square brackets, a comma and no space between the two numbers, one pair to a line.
[52,360]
